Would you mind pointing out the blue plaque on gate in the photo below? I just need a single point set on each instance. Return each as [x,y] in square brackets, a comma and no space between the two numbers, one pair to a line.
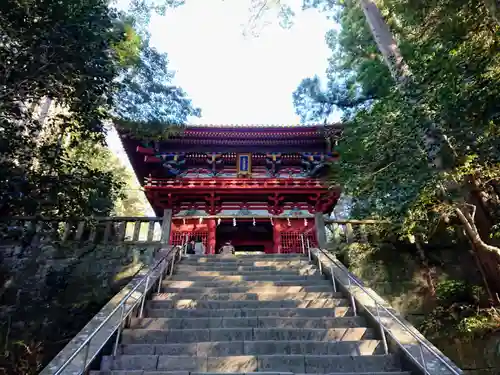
[244,164]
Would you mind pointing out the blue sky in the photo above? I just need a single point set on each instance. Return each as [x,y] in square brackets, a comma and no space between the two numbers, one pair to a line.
[241,80]
[233,79]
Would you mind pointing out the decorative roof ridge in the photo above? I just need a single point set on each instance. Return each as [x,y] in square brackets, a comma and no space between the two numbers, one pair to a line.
[249,126]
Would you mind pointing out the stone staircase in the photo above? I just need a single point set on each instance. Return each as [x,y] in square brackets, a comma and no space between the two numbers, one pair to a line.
[244,314]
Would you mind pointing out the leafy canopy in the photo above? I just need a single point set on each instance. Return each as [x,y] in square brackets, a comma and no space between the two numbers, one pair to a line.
[451,48]
[68,69]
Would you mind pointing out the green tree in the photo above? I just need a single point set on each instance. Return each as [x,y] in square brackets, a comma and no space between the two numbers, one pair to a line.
[93,66]
[63,52]
[129,199]
[450,49]
[147,103]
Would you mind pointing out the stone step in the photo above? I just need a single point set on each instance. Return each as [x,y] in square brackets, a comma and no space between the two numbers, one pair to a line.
[240,289]
[264,296]
[235,267]
[265,363]
[214,304]
[179,336]
[248,265]
[225,348]
[247,284]
[242,313]
[247,262]
[295,278]
[288,272]
[239,257]
[197,323]
[140,372]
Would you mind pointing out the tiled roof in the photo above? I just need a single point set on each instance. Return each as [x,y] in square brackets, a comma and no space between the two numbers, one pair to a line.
[258,125]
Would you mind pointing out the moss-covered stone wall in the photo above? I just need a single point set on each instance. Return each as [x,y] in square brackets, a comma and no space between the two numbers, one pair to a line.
[50,291]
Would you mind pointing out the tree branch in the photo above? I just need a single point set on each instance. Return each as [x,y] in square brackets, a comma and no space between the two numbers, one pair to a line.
[472,232]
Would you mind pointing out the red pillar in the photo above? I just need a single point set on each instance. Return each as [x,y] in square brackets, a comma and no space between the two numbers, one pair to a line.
[212,227]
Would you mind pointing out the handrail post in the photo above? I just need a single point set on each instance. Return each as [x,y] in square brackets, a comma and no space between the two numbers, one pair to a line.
[160,278]
[86,357]
[141,310]
[320,266]
[424,365]
[333,280]
[172,263]
[382,331]
[353,302]
[303,244]
[118,332]
[182,242]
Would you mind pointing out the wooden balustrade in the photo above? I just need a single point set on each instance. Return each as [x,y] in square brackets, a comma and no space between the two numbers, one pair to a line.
[141,230]
[353,231]
[130,230]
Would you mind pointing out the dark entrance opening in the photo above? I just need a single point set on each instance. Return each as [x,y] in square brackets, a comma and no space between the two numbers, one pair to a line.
[245,236]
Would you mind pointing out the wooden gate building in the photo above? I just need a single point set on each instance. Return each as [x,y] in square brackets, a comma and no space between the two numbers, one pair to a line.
[262,187]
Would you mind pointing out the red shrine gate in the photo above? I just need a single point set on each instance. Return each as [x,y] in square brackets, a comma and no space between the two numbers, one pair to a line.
[259,187]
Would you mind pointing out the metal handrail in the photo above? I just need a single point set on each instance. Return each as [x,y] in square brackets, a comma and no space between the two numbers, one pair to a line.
[160,265]
[377,304]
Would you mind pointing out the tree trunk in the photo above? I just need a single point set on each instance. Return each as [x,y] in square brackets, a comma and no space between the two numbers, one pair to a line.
[385,42]
[425,264]
[460,232]
[470,228]
[484,217]
[489,255]
[401,74]
[493,7]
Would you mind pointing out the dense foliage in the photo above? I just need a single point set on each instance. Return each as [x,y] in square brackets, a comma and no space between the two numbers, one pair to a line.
[68,70]
[451,51]
[446,94]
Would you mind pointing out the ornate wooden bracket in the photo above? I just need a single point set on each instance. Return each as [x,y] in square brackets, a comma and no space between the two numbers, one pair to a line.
[213,204]
[275,207]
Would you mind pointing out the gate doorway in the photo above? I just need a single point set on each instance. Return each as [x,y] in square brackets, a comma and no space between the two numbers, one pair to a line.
[245,236]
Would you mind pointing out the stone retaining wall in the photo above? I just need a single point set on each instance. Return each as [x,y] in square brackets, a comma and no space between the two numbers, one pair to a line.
[48,292]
